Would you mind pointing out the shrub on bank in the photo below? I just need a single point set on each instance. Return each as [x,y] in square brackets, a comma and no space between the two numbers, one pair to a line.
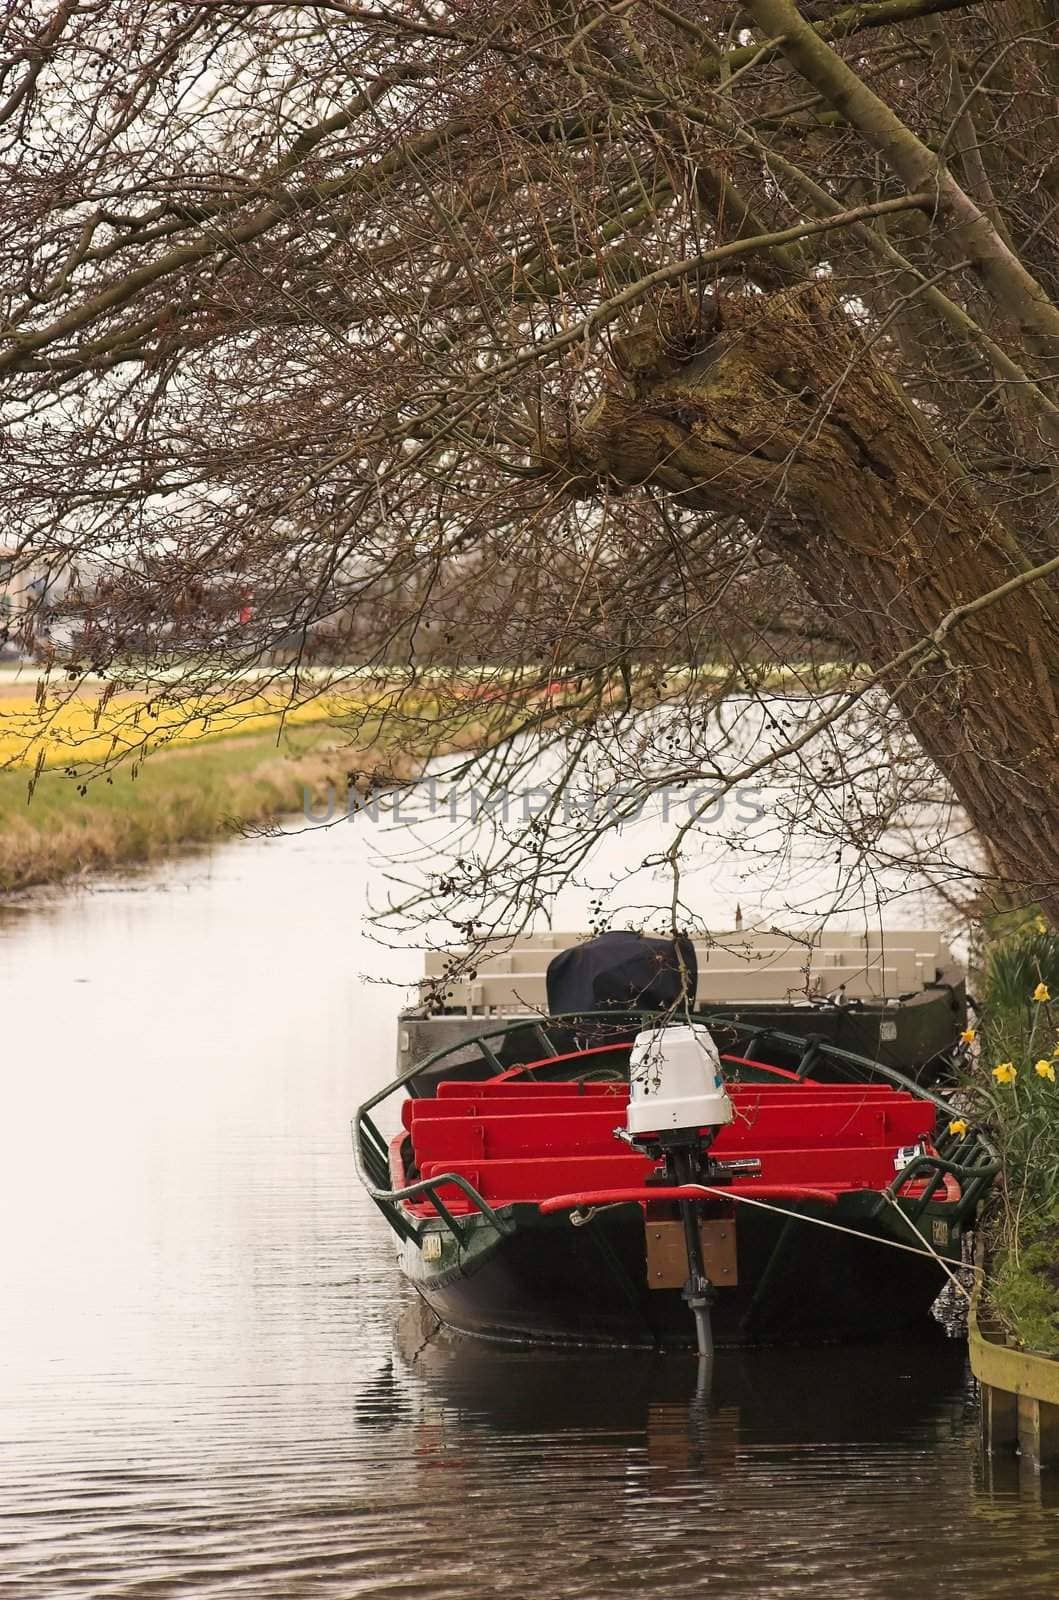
[1012,1089]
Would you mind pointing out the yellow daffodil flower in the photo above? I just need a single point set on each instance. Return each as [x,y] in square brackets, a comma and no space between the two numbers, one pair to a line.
[959,1127]
[1041,925]
[1042,993]
[1044,1069]
[1006,1072]
[968,1036]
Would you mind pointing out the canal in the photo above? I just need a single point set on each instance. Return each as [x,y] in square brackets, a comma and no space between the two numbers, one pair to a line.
[212,1381]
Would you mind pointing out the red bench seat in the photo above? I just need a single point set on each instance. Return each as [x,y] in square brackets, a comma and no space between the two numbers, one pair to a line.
[521,1088]
[518,1141]
[591,1133]
[486,1088]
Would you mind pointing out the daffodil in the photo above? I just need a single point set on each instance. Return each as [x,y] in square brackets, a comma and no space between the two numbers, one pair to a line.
[1044,1069]
[958,1126]
[1042,993]
[1041,925]
[1006,1072]
[968,1036]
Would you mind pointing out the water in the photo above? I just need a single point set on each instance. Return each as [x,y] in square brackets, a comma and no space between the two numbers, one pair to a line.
[212,1382]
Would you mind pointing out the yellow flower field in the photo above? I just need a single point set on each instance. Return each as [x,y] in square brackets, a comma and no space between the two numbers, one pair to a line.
[90,728]
[93,725]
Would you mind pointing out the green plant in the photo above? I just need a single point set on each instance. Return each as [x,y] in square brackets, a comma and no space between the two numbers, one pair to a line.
[1025,1288]
[1016,964]
[1013,1088]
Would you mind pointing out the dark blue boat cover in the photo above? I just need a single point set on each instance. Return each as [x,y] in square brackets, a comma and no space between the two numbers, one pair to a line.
[625,970]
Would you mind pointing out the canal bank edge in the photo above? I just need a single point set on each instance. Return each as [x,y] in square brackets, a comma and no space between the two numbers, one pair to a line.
[1020,1391]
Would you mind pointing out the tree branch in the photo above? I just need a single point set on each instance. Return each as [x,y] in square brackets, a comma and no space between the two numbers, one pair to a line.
[966,233]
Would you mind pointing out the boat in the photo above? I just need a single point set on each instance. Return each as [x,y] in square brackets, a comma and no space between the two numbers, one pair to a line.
[811,1195]
[895,994]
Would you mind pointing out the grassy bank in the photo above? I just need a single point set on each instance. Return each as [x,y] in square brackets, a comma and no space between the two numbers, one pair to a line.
[1013,1090]
[180,797]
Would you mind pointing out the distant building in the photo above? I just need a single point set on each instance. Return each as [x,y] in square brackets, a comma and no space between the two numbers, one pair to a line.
[26,590]
[13,602]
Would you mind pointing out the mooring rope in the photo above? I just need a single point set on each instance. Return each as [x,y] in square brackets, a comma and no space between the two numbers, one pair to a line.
[856,1233]
[951,1274]
[580,1218]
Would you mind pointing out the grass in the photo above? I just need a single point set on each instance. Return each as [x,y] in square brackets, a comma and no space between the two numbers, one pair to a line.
[1023,1290]
[92,779]
[57,822]
[1014,1092]
[178,798]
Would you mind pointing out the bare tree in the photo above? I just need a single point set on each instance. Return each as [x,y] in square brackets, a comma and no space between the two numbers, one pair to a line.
[562,345]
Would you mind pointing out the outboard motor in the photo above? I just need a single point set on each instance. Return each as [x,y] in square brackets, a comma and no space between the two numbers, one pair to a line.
[676,1086]
[677,1104]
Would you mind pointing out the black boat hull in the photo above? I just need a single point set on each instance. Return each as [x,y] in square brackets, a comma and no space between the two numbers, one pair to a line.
[551,1282]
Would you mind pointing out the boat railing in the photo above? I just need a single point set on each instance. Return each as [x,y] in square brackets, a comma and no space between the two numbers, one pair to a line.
[392,1203]
[974,1174]
[372,1162]
[975,1169]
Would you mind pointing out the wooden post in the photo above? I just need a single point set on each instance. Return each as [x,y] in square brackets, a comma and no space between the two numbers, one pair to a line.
[1000,1429]
[1038,1430]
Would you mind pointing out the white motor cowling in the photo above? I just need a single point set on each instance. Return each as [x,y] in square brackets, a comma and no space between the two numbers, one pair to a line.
[675,1081]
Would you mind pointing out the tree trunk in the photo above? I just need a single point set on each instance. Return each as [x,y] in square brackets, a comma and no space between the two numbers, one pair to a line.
[785,416]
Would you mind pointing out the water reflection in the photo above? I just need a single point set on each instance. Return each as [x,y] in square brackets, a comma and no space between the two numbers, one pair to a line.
[806,1473]
[799,1396]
